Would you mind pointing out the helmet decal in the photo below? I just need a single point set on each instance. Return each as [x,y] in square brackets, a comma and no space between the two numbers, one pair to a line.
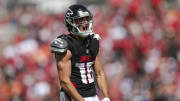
[69,13]
[83,14]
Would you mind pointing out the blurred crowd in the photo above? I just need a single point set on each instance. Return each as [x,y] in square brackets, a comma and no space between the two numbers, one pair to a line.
[140,50]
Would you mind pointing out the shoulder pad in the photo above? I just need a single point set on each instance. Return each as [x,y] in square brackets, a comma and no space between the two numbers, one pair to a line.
[59,45]
[96,36]
[62,36]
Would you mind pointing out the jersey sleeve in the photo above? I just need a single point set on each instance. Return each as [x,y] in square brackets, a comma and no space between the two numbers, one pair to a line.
[95,44]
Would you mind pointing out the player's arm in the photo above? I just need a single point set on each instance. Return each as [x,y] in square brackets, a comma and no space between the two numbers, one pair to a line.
[101,78]
[64,72]
[63,60]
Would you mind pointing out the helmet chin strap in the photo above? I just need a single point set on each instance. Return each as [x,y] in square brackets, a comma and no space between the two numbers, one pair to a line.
[80,37]
[84,34]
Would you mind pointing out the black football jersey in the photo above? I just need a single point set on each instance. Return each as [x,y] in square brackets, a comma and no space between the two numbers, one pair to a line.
[83,58]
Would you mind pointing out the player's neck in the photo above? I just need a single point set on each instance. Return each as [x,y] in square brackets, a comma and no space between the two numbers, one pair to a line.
[79,38]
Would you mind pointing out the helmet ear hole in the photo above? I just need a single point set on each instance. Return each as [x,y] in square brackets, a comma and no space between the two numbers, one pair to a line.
[68,26]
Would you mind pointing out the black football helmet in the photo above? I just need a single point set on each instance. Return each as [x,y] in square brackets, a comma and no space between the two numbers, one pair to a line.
[79,20]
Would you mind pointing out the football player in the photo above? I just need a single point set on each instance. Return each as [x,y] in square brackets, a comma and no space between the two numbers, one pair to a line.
[77,58]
